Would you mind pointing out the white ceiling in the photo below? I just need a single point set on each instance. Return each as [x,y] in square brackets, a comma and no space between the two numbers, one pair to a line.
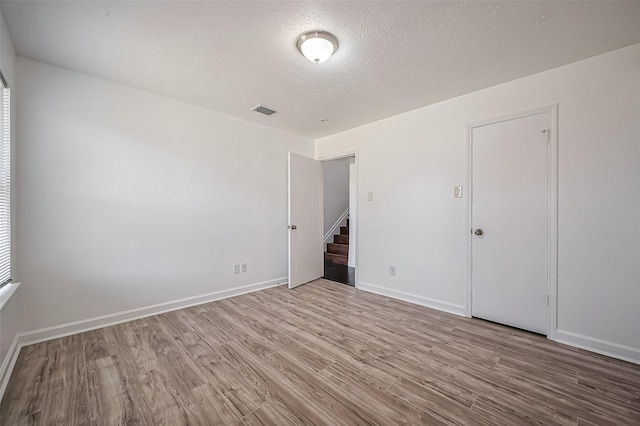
[393,56]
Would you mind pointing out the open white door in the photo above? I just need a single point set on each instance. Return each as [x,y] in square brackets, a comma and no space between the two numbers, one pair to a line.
[305,220]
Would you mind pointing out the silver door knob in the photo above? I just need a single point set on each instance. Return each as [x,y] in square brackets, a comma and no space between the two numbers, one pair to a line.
[293,227]
[478,231]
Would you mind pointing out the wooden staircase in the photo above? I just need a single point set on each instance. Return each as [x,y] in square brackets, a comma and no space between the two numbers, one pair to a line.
[338,250]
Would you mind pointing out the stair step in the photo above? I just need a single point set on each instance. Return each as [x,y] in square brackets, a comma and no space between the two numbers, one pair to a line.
[337,248]
[344,230]
[340,259]
[341,239]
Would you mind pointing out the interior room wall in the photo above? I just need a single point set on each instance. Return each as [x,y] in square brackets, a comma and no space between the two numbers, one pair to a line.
[412,161]
[353,210]
[129,199]
[9,321]
[335,187]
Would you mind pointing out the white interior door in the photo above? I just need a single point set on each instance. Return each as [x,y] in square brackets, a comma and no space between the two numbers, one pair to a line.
[305,220]
[509,211]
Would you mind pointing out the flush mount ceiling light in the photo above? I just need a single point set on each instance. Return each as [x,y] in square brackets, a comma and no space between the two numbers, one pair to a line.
[317,46]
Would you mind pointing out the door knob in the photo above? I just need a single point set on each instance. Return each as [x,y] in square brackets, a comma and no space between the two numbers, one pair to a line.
[478,231]
[293,227]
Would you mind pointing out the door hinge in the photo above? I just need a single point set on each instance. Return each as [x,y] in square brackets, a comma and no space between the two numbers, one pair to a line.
[547,299]
[548,133]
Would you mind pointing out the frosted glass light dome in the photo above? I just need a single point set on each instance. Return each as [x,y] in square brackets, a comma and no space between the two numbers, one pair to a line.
[317,46]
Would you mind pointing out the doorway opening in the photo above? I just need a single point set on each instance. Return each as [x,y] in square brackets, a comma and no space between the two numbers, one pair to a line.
[339,180]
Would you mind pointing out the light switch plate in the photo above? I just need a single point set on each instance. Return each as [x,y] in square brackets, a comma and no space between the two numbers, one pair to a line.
[457,192]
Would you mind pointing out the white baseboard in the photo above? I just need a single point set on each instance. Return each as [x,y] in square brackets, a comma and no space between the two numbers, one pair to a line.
[603,347]
[412,298]
[7,365]
[63,330]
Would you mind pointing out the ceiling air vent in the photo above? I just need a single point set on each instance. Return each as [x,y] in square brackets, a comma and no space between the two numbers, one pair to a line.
[264,110]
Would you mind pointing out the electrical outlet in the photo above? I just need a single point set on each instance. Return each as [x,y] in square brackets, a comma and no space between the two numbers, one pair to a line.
[370,196]
[392,270]
[236,268]
[243,268]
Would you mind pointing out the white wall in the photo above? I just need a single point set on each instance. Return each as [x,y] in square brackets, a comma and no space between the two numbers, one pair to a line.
[9,312]
[353,211]
[412,161]
[129,199]
[335,187]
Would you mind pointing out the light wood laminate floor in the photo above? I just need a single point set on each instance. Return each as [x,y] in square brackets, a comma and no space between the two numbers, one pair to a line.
[322,354]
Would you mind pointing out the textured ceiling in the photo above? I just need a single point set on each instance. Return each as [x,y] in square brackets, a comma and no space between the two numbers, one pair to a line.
[393,56]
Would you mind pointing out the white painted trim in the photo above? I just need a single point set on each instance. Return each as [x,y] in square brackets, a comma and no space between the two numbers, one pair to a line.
[335,226]
[75,327]
[413,298]
[603,347]
[353,208]
[7,365]
[353,152]
[63,330]
[6,292]
[468,312]
[552,236]
[552,208]
[289,216]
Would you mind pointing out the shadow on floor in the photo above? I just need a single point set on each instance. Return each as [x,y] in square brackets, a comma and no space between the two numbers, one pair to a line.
[339,273]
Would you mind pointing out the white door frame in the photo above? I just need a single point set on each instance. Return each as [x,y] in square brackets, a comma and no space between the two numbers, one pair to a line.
[344,154]
[552,207]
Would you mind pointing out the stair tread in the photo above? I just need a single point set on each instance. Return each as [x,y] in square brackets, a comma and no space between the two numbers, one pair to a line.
[341,259]
[341,239]
[336,248]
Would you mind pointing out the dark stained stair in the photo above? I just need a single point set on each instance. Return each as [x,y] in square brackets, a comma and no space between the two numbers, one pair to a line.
[338,250]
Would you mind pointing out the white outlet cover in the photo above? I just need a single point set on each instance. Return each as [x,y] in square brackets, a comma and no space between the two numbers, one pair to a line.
[236,268]
[392,270]
[243,268]
[370,196]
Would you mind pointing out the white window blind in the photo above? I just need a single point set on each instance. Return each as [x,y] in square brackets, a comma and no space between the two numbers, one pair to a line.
[5,185]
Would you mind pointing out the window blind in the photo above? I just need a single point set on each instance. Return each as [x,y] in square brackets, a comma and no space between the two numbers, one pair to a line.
[5,185]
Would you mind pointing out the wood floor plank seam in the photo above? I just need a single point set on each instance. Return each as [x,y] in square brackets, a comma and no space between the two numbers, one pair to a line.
[474,401]
[254,410]
[84,360]
[391,384]
[321,354]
